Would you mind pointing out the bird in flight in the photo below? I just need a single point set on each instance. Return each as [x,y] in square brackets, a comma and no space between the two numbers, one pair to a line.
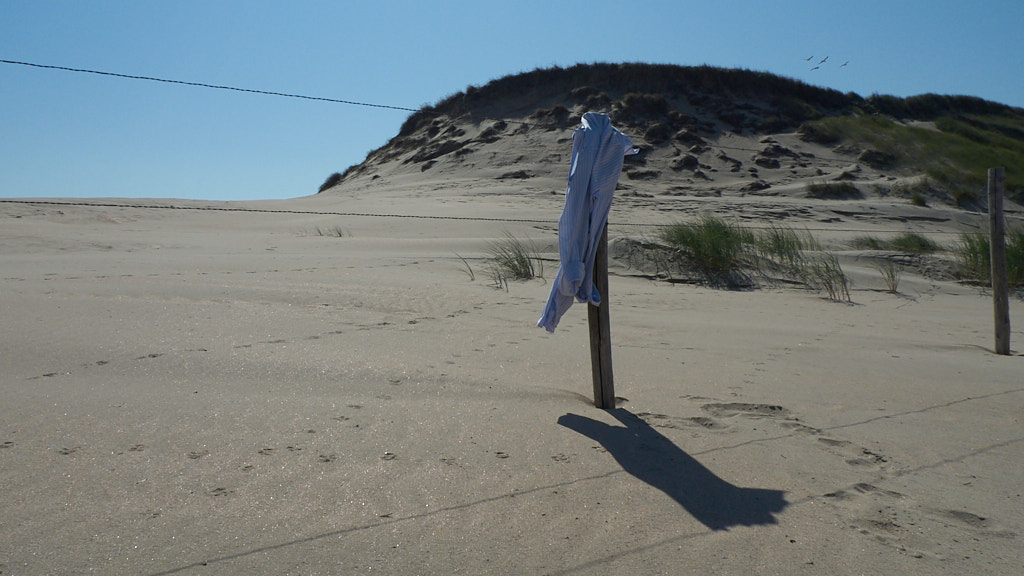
[816,67]
[823,60]
[808,59]
[844,63]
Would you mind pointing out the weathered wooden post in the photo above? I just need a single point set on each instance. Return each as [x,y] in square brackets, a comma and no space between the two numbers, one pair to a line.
[601,330]
[997,256]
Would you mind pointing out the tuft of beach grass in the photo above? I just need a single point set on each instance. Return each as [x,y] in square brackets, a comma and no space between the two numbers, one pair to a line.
[514,259]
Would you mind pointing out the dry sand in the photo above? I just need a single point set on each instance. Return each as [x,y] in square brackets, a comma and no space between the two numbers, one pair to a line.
[209,392]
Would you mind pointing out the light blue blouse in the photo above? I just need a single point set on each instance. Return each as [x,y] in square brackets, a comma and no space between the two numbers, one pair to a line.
[597,153]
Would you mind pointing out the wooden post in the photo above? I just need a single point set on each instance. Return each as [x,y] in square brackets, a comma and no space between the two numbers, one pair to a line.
[997,255]
[601,331]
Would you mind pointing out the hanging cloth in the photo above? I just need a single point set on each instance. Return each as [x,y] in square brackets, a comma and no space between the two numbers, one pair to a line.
[597,154]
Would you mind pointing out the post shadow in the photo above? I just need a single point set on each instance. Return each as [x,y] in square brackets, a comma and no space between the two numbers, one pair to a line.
[653,458]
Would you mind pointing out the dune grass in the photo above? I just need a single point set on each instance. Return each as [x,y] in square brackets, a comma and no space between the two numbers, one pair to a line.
[514,259]
[891,273]
[716,248]
[833,190]
[869,243]
[825,274]
[973,257]
[955,157]
[914,244]
[974,260]
[784,245]
[724,253]
[334,231]
[468,269]
[332,180]
[908,242]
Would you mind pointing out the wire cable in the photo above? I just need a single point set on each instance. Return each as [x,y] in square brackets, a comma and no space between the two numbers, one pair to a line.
[215,86]
[254,91]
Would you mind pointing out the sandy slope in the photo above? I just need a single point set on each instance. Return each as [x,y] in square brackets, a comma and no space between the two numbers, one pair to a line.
[197,392]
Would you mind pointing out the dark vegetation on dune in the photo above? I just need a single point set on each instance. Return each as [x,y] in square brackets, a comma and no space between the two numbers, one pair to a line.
[683,106]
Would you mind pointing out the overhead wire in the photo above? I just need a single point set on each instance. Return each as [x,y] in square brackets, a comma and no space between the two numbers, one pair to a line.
[237,89]
[215,86]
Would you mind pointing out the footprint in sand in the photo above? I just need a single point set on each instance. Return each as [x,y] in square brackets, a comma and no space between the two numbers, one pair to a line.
[678,423]
[801,428]
[852,454]
[962,518]
[49,375]
[862,488]
[726,410]
[884,515]
[893,519]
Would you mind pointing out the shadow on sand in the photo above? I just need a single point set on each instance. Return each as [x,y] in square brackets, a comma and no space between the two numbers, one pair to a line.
[653,458]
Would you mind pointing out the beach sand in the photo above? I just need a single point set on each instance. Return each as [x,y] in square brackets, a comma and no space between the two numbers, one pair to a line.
[220,392]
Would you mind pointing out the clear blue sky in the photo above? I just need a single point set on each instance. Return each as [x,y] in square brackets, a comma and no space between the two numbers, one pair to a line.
[65,134]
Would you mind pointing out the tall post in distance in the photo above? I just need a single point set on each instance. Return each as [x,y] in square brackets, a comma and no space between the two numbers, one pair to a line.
[601,331]
[997,256]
